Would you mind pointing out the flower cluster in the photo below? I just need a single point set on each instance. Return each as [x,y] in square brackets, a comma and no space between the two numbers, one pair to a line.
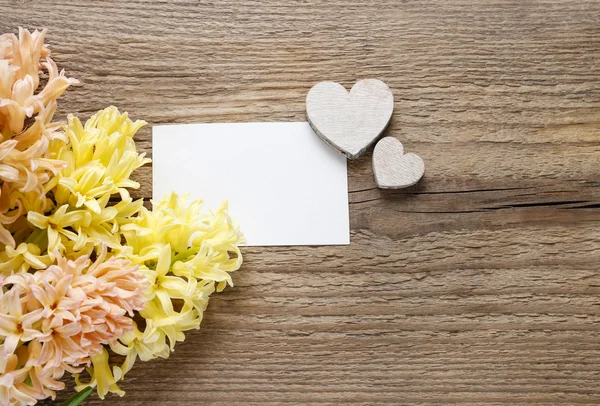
[49,320]
[186,255]
[100,157]
[26,127]
[85,270]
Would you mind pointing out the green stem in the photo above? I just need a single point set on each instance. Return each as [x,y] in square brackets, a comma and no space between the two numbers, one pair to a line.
[184,254]
[38,237]
[78,397]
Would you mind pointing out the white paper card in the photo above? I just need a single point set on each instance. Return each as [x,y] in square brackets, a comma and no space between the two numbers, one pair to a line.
[284,185]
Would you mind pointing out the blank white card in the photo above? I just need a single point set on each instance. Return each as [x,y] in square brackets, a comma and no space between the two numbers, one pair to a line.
[284,185]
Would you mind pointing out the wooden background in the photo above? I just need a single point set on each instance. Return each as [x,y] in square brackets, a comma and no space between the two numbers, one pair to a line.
[478,286]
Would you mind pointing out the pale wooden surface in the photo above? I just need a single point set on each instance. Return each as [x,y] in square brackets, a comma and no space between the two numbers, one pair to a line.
[350,121]
[478,286]
[392,168]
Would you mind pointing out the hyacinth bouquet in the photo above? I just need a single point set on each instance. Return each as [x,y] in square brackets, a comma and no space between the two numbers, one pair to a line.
[86,271]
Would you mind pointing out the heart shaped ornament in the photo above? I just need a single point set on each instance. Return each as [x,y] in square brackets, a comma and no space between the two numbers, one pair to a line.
[350,121]
[393,169]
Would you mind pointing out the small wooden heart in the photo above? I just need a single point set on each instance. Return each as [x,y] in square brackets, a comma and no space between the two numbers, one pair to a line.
[393,169]
[350,122]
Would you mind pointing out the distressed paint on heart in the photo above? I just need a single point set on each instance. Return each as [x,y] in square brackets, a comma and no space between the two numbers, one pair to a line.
[350,121]
[393,169]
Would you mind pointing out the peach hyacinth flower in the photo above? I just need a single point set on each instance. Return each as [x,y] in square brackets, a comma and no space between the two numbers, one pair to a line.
[25,125]
[57,319]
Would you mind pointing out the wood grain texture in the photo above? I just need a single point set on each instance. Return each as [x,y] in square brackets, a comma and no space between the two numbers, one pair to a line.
[350,122]
[478,286]
[392,168]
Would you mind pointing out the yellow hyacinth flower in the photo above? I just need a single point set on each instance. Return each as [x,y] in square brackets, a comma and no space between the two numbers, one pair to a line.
[102,377]
[25,257]
[79,231]
[100,157]
[186,254]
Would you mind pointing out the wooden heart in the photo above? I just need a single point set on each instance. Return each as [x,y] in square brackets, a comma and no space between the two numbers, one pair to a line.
[350,122]
[393,169]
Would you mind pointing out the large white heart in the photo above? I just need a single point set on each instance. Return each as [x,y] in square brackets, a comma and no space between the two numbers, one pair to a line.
[393,169]
[350,122]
